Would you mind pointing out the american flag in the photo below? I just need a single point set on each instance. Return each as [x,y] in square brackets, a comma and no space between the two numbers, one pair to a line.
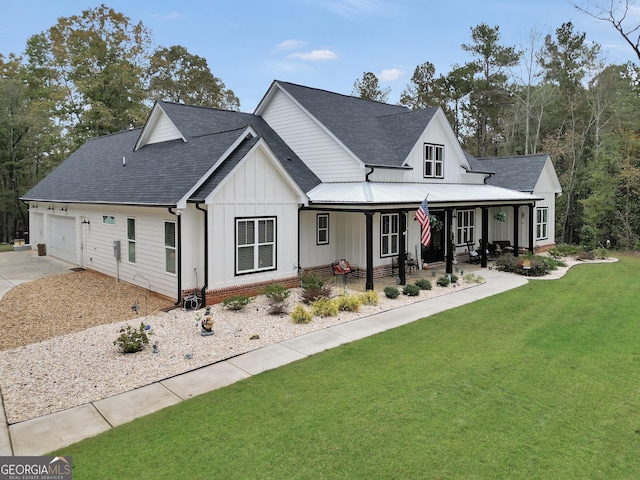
[422,215]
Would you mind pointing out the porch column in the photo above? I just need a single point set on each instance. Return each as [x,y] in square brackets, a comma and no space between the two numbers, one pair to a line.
[402,251]
[516,229]
[531,226]
[450,241]
[485,235]
[369,249]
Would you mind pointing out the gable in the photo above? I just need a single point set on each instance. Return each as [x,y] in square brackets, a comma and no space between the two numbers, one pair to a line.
[158,128]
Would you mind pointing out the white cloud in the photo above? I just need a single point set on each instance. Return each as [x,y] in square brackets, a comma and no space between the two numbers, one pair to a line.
[170,16]
[356,9]
[390,74]
[314,55]
[291,44]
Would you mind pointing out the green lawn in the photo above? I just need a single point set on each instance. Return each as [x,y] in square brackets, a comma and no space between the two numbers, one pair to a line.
[539,382]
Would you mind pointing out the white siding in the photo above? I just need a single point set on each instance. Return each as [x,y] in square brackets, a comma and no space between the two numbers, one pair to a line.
[163,131]
[93,247]
[322,154]
[254,189]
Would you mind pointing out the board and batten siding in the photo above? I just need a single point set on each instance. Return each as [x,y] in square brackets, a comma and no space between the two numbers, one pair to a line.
[254,189]
[317,149]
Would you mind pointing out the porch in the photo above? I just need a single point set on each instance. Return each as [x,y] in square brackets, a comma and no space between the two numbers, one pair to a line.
[435,271]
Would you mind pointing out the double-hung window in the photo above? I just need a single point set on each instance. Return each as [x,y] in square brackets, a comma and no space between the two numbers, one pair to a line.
[433,161]
[255,244]
[131,239]
[542,223]
[389,234]
[466,227]
[170,247]
[322,229]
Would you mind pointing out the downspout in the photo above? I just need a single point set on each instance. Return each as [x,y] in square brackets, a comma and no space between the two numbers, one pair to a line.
[206,255]
[299,241]
[179,248]
[366,177]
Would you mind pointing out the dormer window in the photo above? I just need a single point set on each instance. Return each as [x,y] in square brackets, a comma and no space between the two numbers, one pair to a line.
[433,161]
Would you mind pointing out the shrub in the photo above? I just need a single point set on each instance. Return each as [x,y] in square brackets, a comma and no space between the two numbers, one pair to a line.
[301,315]
[586,255]
[424,284]
[473,278]
[132,340]
[443,281]
[368,298]
[237,302]
[391,292]
[314,288]
[278,308]
[563,250]
[324,307]
[538,265]
[454,278]
[588,237]
[276,292]
[348,303]
[411,290]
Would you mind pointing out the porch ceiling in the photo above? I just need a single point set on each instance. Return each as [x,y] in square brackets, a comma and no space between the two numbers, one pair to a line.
[358,193]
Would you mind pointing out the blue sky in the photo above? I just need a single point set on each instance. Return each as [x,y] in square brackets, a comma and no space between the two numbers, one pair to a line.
[325,44]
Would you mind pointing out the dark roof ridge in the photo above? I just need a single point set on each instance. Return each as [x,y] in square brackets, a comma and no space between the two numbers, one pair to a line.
[200,106]
[238,129]
[340,94]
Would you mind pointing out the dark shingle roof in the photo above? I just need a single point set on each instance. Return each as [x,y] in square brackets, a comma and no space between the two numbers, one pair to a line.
[377,133]
[519,172]
[159,173]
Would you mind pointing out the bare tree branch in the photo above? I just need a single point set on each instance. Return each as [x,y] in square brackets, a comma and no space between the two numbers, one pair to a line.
[614,18]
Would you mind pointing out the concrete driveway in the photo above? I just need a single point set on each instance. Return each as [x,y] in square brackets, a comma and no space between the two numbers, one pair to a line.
[25,266]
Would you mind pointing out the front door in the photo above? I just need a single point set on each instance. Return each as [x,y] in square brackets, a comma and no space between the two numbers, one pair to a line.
[435,251]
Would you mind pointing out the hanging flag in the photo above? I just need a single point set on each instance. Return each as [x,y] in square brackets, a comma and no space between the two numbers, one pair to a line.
[422,215]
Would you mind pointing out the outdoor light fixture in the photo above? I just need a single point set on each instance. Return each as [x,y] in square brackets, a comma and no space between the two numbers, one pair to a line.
[63,209]
[49,207]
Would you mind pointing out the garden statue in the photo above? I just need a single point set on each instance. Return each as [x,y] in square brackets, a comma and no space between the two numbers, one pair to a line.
[207,323]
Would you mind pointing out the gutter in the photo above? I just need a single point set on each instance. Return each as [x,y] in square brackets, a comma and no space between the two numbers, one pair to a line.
[179,248]
[386,167]
[206,255]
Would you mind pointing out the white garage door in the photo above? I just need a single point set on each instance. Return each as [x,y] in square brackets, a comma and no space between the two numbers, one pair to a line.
[62,238]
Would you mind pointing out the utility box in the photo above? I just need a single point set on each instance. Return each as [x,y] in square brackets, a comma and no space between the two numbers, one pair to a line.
[116,249]
[42,249]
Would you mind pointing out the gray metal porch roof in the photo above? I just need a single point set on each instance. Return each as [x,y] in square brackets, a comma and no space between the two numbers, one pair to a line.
[375,193]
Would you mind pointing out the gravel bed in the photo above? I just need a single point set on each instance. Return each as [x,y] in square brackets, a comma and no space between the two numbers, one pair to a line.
[66,370]
[85,366]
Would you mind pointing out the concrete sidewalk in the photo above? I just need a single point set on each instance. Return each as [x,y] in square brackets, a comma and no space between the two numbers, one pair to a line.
[45,434]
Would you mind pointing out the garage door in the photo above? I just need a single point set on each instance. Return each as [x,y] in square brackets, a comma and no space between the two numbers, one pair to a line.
[62,238]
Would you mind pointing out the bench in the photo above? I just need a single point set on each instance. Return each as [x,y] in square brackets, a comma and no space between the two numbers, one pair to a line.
[501,246]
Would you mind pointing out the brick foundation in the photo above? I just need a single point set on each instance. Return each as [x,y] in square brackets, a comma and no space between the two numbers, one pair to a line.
[250,289]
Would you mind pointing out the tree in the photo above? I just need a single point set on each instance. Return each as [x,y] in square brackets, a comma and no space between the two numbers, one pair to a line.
[617,19]
[178,76]
[489,93]
[421,92]
[97,59]
[369,88]
[569,62]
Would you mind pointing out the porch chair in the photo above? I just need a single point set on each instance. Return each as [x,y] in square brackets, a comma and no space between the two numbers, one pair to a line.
[410,264]
[343,267]
[474,256]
